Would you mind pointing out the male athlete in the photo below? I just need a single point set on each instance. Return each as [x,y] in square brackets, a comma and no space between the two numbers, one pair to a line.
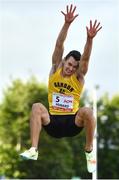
[66,81]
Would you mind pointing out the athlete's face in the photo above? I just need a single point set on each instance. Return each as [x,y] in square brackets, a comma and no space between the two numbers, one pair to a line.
[70,66]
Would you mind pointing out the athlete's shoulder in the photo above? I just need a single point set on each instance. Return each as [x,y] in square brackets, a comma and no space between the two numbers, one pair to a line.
[80,78]
[55,69]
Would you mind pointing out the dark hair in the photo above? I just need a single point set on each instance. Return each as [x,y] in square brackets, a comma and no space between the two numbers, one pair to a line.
[75,54]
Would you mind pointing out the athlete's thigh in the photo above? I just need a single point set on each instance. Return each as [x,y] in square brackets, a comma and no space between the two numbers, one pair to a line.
[40,108]
[45,116]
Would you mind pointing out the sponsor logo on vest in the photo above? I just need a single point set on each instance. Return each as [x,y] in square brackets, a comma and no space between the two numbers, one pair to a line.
[67,101]
[63,85]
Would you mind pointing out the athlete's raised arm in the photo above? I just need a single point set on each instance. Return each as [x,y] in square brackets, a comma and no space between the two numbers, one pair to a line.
[91,33]
[59,47]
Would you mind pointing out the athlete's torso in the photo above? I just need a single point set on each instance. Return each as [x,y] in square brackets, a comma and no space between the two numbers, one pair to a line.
[63,93]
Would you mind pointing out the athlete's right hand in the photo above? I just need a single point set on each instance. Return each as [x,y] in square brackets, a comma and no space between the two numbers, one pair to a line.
[93,29]
[69,15]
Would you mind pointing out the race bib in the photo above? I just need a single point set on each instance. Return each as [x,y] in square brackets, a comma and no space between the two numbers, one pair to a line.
[62,101]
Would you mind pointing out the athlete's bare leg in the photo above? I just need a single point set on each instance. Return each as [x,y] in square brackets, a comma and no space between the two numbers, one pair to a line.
[85,118]
[39,117]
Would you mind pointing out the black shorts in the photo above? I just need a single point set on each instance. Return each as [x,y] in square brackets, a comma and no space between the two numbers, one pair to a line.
[62,126]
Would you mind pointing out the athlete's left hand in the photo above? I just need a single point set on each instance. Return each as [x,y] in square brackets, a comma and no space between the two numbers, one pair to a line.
[93,29]
[69,15]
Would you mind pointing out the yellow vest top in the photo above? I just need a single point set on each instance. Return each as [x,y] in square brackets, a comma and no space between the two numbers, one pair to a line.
[63,94]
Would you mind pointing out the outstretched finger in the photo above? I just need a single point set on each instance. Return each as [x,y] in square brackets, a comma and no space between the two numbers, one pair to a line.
[67,9]
[63,13]
[99,29]
[97,25]
[74,9]
[76,16]
[94,23]
[87,29]
[70,8]
[90,24]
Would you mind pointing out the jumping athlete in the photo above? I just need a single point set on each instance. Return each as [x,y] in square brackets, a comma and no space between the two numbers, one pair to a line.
[66,80]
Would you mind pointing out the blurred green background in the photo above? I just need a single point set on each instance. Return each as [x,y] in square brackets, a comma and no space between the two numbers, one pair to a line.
[58,159]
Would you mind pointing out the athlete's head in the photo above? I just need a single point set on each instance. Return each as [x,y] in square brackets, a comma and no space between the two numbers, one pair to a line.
[75,54]
[71,62]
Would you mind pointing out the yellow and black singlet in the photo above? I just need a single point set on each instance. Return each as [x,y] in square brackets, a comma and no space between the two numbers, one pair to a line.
[63,94]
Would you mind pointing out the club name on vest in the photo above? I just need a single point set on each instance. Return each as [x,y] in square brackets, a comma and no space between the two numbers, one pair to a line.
[63,85]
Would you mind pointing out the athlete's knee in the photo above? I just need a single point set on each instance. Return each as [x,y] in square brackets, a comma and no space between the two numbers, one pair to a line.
[37,108]
[86,112]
